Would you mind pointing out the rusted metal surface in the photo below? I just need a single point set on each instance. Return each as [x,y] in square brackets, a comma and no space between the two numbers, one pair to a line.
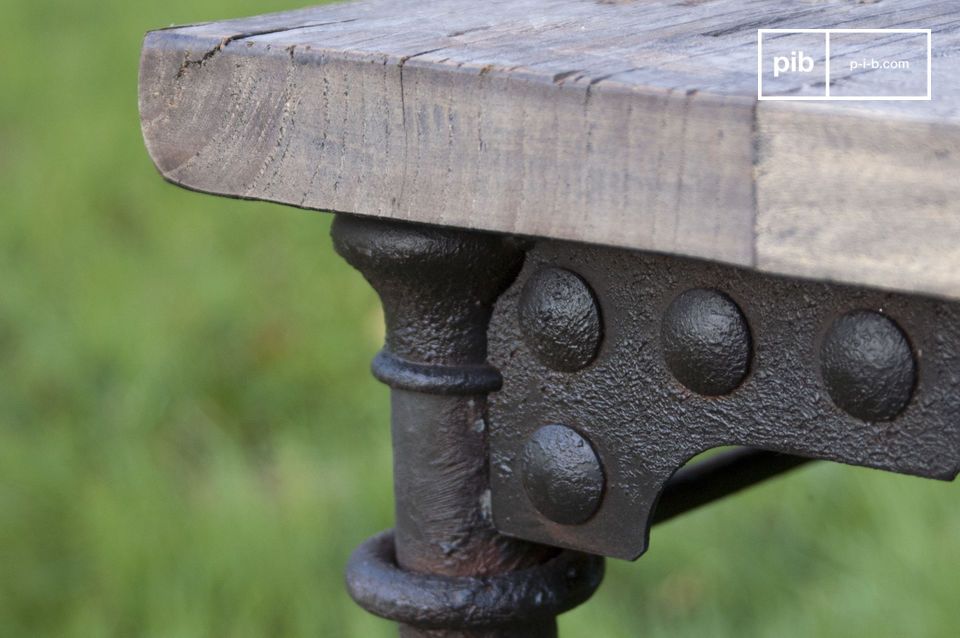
[445,571]
[694,356]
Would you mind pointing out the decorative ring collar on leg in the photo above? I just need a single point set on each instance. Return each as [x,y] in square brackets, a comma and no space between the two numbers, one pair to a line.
[429,601]
[435,378]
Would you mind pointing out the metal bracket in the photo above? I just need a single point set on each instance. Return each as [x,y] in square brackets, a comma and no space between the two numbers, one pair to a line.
[619,367]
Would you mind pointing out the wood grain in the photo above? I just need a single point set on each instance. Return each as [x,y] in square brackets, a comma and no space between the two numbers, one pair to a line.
[631,124]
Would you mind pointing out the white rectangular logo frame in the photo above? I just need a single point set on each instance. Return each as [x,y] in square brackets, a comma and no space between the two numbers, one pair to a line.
[827,97]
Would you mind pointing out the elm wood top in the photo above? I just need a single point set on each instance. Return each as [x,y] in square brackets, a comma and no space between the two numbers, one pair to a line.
[625,123]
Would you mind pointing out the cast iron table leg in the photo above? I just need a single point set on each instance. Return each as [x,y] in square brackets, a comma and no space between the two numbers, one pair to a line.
[445,571]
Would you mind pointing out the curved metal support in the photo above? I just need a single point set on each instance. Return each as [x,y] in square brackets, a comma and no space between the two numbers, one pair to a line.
[718,477]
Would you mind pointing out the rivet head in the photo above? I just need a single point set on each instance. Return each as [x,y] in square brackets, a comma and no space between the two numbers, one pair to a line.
[559,319]
[562,475]
[706,342]
[868,366]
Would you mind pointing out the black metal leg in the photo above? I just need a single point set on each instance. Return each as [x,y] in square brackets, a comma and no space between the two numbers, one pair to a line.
[445,571]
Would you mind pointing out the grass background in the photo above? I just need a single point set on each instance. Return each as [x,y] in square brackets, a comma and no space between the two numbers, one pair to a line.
[191,444]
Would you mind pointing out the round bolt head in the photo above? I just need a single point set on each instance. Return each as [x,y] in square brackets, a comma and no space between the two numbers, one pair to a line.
[868,366]
[706,342]
[559,319]
[562,475]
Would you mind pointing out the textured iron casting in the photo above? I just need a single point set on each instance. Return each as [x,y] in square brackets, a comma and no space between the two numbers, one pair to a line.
[693,356]
[562,476]
[706,342]
[445,571]
[609,370]
[534,595]
[868,367]
[560,319]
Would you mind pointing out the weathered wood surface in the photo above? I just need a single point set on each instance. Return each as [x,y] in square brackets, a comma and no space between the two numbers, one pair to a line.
[624,123]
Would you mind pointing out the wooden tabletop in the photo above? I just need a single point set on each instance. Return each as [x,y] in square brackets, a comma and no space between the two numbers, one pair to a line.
[616,122]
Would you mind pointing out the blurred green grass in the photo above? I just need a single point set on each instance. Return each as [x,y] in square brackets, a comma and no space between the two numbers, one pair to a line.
[191,444]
